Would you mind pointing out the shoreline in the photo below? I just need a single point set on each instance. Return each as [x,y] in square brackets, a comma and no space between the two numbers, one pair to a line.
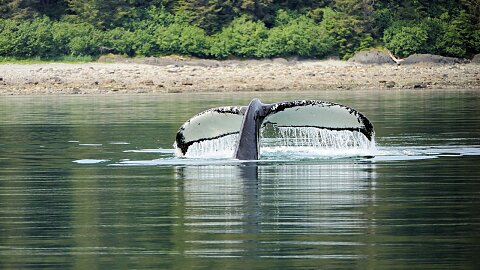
[196,75]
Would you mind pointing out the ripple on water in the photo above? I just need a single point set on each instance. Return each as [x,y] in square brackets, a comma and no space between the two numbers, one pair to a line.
[294,154]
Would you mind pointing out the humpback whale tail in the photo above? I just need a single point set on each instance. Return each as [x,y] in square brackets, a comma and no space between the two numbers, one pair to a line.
[244,124]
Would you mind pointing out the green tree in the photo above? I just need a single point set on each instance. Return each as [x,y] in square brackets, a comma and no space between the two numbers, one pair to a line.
[360,12]
[257,9]
[244,28]
[347,32]
[472,9]
[105,14]
[302,5]
[27,9]
[209,15]
[452,35]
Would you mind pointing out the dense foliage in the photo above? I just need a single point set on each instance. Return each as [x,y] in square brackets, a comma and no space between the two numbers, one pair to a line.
[245,28]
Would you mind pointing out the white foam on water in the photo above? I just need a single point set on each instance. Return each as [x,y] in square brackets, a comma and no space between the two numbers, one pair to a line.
[299,154]
[175,161]
[294,152]
[154,151]
[403,153]
[90,161]
[91,144]
[119,143]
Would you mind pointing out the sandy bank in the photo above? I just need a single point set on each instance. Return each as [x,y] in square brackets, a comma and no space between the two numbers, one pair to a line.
[205,76]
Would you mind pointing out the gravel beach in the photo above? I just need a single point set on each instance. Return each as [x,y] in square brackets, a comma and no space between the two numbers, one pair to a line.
[179,75]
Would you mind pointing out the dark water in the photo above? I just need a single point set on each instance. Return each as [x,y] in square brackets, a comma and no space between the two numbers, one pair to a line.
[92,183]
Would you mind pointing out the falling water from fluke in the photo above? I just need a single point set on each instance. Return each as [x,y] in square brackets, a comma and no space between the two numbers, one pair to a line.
[222,147]
[323,138]
[314,141]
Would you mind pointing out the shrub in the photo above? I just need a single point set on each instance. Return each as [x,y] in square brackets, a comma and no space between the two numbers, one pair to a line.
[145,43]
[299,36]
[406,40]
[181,38]
[26,39]
[444,35]
[7,34]
[242,37]
[194,41]
[162,33]
[80,39]
[75,38]
[120,41]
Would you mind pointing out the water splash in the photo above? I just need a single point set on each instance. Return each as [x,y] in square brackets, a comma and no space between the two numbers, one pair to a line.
[315,142]
[299,141]
[323,138]
[223,147]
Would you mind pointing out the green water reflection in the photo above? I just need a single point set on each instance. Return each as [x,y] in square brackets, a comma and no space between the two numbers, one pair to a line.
[312,213]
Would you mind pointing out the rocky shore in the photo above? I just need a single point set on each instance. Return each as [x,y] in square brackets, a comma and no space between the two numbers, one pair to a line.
[178,75]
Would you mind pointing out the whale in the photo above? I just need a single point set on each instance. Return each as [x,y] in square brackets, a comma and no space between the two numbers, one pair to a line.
[247,121]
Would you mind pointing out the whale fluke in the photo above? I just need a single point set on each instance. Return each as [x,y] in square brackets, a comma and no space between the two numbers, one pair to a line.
[246,121]
[209,125]
[319,114]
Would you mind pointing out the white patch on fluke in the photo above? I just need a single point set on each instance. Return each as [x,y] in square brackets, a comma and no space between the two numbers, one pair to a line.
[319,115]
[212,124]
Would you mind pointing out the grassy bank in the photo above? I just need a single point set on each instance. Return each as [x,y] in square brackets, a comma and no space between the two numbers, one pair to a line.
[39,60]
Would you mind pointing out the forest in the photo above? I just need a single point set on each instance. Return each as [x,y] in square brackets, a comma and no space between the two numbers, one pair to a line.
[49,29]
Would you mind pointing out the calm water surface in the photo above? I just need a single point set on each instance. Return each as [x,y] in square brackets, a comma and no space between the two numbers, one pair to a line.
[91,182]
